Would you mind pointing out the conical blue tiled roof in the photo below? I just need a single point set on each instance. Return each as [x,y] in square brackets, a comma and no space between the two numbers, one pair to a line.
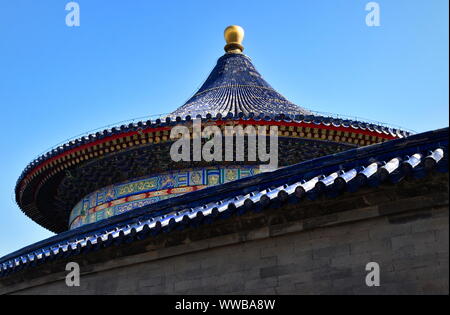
[235,86]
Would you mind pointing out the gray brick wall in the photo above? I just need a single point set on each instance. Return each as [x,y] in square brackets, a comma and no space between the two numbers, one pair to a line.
[411,245]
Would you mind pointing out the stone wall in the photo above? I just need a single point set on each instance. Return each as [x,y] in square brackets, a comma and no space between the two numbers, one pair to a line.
[312,247]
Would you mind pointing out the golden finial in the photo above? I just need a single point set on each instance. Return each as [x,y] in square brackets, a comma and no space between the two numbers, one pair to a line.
[234,35]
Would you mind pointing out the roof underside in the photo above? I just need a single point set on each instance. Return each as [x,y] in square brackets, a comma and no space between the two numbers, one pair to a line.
[235,86]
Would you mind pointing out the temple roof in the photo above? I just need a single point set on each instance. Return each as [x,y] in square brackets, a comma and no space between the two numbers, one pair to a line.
[235,86]
[234,93]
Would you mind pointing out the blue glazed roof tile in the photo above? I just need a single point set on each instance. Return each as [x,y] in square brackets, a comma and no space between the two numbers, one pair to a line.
[235,86]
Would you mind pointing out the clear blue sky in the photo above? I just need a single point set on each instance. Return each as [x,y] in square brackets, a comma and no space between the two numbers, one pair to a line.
[135,58]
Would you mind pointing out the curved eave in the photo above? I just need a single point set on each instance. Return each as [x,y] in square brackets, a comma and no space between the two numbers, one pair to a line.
[148,126]
[74,152]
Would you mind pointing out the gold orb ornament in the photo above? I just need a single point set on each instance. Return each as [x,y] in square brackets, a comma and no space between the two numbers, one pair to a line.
[234,35]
